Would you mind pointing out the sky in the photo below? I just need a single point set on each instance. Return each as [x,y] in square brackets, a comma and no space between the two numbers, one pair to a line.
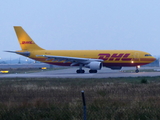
[82,24]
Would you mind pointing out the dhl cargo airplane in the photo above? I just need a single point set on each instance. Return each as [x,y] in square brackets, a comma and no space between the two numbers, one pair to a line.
[92,59]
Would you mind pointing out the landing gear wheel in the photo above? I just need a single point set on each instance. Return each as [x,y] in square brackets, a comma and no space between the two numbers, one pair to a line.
[80,71]
[137,71]
[92,71]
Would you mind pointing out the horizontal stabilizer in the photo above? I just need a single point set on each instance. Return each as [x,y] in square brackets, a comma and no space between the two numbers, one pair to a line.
[27,54]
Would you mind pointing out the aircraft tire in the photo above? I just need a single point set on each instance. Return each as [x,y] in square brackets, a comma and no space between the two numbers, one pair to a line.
[80,71]
[137,71]
[92,71]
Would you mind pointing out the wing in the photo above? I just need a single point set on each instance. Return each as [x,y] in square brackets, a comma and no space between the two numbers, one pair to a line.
[73,60]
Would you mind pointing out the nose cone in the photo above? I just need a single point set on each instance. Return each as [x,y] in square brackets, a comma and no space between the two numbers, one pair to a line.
[149,58]
[153,59]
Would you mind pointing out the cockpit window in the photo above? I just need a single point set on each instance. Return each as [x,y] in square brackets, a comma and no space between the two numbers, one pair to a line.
[148,55]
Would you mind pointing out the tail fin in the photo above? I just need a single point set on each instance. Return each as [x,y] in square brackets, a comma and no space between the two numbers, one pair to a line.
[25,41]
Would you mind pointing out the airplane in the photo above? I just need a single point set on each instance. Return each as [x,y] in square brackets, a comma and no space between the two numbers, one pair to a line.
[92,59]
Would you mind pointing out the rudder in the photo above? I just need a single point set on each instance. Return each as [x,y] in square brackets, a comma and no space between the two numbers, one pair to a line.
[24,39]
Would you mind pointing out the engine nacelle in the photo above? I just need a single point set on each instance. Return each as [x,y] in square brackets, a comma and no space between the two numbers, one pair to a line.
[94,65]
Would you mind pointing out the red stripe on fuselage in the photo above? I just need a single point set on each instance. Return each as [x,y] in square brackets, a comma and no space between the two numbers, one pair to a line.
[104,64]
[147,59]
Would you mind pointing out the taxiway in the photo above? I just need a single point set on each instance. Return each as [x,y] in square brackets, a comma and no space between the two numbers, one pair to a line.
[71,73]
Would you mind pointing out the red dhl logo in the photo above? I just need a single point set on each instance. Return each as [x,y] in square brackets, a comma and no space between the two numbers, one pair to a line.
[27,42]
[115,56]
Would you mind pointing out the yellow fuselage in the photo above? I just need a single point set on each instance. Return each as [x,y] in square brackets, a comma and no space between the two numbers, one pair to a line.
[110,57]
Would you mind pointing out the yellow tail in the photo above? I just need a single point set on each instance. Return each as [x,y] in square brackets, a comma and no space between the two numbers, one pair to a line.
[25,41]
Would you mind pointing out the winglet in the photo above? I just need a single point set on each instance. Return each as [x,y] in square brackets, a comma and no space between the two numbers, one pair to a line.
[24,39]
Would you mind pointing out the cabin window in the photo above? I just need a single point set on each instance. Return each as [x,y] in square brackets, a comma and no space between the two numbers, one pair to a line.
[148,55]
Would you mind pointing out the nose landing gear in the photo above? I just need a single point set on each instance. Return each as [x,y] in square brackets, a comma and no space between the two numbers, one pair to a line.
[137,70]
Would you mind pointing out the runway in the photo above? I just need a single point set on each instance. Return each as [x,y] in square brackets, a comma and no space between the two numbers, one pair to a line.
[71,73]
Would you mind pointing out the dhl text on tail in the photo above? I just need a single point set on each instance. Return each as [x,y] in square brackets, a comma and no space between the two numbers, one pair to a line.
[92,59]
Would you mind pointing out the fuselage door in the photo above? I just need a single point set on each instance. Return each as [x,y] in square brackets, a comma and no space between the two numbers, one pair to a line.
[136,56]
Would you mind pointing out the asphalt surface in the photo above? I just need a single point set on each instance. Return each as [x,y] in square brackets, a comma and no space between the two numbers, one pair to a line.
[71,73]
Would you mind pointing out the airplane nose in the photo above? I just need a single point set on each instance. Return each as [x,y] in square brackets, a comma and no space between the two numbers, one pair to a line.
[154,59]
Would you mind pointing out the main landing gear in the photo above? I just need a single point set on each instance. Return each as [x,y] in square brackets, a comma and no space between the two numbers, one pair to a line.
[137,70]
[80,70]
[92,71]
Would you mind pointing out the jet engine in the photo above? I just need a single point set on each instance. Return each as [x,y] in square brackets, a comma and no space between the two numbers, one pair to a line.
[94,65]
